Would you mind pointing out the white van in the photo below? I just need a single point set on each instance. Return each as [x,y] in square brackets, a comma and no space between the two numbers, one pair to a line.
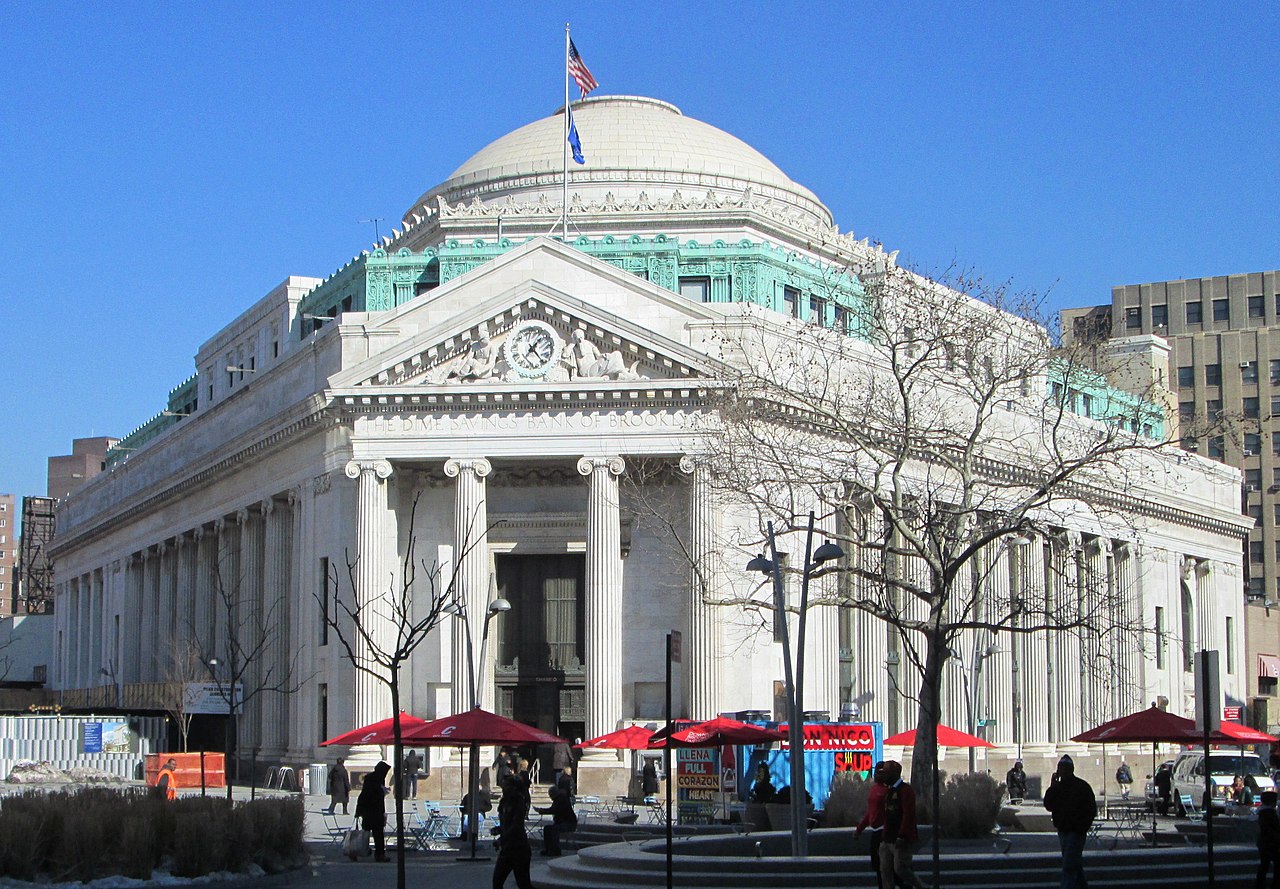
[1188,776]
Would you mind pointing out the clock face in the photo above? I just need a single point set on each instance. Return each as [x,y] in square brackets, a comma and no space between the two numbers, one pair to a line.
[532,347]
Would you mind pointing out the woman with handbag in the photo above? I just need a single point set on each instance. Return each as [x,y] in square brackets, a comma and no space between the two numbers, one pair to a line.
[371,808]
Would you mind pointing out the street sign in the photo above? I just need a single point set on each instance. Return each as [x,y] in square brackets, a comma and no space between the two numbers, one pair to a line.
[209,697]
[674,646]
[1208,691]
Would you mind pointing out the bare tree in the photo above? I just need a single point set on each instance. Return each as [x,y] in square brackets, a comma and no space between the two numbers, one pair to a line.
[937,434]
[244,659]
[380,633]
[184,666]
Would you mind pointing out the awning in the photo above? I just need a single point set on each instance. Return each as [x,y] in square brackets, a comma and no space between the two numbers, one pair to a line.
[1268,666]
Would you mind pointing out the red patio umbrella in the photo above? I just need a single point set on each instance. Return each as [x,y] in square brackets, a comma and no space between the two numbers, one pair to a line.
[947,737]
[1242,734]
[720,732]
[380,732]
[633,737]
[473,728]
[1152,724]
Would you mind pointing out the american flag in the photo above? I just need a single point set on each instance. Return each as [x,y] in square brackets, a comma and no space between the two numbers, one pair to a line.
[578,71]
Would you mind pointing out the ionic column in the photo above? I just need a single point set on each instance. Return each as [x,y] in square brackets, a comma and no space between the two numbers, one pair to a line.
[202,595]
[701,668]
[184,620]
[1030,651]
[167,610]
[226,570]
[153,556]
[1067,642]
[99,620]
[372,698]
[604,594]
[135,615]
[471,548]
[75,634]
[1207,612]
[1129,685]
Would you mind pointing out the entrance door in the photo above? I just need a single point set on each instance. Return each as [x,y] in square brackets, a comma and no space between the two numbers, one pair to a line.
[540,674]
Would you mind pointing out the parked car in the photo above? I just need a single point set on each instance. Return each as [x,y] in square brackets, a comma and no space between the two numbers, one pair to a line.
[1150,794]
[1188,776]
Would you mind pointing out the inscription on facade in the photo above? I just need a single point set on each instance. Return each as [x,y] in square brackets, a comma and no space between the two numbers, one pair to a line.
[470,423]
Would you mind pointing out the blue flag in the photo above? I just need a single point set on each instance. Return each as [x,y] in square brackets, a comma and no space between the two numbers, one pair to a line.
[575,144]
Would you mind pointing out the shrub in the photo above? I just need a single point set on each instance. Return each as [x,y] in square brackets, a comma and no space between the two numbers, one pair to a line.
[970,805]
[848,800]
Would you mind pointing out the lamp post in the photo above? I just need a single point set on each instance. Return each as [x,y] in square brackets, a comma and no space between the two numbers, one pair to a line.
[794,680]
[230,732]
[973,691]
[496,607]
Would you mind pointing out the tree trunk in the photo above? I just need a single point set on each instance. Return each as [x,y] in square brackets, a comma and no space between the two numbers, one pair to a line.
[397,778]
[924,755]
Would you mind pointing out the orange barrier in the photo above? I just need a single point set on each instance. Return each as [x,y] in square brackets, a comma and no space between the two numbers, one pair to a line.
[187,770]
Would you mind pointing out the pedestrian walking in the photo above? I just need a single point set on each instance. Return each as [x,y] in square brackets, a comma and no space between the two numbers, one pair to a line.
[167,780]
[900,830]
[338,786]
[412,762]
[514,853]
[649,778]
[1163,782]
[872,819]
[1073,805]
[762,790]
[371,808]
[1124,777]
[1268,841]
[1015,781]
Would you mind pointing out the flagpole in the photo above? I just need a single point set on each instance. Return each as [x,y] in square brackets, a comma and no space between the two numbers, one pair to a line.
[564,145]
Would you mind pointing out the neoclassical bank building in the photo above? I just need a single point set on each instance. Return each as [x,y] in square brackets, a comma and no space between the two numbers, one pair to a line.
[481,389]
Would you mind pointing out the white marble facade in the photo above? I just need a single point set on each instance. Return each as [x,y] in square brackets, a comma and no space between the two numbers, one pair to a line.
[446,400]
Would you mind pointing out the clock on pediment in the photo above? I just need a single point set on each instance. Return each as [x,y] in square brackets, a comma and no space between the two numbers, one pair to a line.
[532,348]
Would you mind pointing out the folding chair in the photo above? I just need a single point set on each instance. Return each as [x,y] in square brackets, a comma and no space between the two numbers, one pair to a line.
[1189,807]
[335,830]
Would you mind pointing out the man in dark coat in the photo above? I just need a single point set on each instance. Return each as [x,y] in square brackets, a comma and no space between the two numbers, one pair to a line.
[1268,841]
[1163,782]
[1015,780]
[514,853]
[649,777]
[563,820]
[371,808]
[1074,806]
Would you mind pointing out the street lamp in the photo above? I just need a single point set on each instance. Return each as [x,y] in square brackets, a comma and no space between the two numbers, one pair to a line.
[973,690]
[794,686]
[230,731]
[496,607]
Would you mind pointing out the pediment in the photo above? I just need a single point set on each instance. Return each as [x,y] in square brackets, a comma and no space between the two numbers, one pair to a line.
[536,331]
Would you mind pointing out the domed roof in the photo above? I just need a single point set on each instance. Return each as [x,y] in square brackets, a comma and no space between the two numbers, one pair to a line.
[631,144]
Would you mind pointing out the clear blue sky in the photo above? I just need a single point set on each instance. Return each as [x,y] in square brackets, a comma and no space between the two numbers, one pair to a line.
[164,166]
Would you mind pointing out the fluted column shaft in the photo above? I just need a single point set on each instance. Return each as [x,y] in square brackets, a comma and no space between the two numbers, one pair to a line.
[372,698]
[604,594]
[188,557]
[130,658]
[701,668]
[202,595]
[277,561]
[471,567]
[151,611]
[250,622]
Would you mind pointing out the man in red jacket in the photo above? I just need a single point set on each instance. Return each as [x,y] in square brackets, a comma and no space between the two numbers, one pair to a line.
[873,820]
[900,832]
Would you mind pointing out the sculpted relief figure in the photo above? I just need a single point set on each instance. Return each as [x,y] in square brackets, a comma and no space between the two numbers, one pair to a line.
[477,363]
[586,362]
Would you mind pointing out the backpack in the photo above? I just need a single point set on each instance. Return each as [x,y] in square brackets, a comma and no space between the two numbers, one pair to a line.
[1123,775]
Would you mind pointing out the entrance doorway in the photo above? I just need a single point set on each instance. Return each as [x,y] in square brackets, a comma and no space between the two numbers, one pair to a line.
[540,675]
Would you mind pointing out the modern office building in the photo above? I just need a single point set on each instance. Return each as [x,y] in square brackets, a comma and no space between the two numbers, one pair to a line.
[1224,339]
[473,400]
[88,457]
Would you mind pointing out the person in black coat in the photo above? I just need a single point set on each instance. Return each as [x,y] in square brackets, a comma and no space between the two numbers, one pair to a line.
[649,778]
[1074,806]
[514,853]
[1015,780]
[1268,841]
[1163,782]
[371,808]
[563,820]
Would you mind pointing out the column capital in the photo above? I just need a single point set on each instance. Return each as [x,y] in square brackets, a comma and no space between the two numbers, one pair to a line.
[479,466]
[268,506]
[689,464]
[588,465]
[380,468]
[243,515]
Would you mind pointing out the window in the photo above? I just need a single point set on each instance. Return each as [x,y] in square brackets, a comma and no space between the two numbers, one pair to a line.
[1086,404]
[1188,631]
[696,289]
[1186,377]
[1253,479]
[1248,371]
[1254,589]
[4,538]
[1275,404]
[1255,512]
[275,348]
[1133,318]
[1160,315]
[324,601]
[1159,638]
[1255,311]
[1195,313]
[1231,653]
[1189,444]
[817,310]
[1275,370]
[1214,407]
[1251,407]
[323,700]
[791,301]
[1213,374]
[1252,443]
[1275,475]
[1275,516]
[1215,447]
[1221,310]
[841,322]
[1187,410]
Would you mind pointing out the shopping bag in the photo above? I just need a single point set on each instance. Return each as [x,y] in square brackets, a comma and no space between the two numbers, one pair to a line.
[355,843]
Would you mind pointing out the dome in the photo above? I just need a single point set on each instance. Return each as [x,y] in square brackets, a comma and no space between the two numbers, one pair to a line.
[632,144]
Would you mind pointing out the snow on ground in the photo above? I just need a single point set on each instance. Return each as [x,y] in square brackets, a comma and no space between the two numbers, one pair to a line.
[158,878]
